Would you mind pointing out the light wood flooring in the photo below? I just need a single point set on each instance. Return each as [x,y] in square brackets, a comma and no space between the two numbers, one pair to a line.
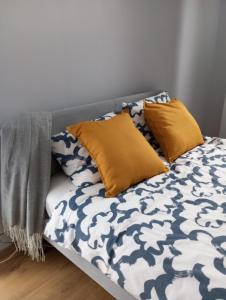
[55,279]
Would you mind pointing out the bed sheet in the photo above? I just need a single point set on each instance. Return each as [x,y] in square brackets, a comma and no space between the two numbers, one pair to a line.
[60,185]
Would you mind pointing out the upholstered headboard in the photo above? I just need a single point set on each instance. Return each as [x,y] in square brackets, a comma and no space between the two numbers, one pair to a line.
[64,117]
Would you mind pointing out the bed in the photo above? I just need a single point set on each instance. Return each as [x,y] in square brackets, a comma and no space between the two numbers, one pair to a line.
[164,238]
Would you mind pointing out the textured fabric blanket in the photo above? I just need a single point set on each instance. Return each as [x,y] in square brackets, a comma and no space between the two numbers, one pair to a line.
[164,238]
[25,177]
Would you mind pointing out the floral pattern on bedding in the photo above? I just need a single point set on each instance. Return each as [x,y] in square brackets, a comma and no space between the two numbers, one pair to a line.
[164,238]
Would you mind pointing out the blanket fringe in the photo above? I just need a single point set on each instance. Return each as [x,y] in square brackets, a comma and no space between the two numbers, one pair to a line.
[31,245]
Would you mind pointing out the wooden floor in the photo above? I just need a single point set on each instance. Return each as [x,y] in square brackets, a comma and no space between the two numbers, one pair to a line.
[56,279]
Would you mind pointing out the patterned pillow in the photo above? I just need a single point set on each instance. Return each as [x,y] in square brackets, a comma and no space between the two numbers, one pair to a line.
[74,159]
[136,110]
[162,97]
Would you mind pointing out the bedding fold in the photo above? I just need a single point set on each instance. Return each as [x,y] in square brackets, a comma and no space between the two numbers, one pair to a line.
[25,178]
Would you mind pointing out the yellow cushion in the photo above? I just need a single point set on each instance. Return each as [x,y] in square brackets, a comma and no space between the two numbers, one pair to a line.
[173,126]
[122,154]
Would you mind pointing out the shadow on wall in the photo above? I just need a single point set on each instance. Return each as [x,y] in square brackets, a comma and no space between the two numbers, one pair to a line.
[196,53]
[223,120]
[218,78]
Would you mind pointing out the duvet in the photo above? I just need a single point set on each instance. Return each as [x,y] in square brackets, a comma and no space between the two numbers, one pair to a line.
[164,238]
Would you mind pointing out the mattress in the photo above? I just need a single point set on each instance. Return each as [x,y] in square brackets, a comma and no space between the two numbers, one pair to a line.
[164,238]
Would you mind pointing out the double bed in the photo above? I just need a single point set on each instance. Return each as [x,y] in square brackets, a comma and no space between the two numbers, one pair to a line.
[164,238]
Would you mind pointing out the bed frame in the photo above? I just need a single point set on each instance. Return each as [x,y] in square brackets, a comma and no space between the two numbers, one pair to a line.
[61,119]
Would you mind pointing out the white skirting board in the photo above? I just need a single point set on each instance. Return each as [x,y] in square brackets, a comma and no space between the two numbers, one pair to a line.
[116,291]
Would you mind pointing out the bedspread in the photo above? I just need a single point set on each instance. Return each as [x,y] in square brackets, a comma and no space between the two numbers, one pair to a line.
[164,238]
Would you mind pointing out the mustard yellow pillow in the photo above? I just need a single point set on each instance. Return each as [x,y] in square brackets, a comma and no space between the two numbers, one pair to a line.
[173,126]
[122,154]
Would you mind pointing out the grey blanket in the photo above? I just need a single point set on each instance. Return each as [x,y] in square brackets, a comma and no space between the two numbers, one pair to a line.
[25,177]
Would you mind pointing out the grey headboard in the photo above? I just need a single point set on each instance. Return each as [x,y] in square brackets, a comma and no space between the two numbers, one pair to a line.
[64,117]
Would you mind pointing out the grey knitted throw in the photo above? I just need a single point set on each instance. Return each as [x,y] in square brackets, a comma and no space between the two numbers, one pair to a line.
[25,177]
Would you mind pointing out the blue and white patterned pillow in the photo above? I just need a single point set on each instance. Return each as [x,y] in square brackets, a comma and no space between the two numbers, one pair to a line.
[136,111]
[74,159]
[162,97]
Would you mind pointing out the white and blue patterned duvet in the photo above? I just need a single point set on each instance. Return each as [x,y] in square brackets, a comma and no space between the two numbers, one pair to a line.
[165,238]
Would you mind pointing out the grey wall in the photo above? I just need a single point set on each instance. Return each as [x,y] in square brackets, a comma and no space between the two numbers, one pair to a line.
[196,52]
[223,121]
[218,79]
[56,53]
